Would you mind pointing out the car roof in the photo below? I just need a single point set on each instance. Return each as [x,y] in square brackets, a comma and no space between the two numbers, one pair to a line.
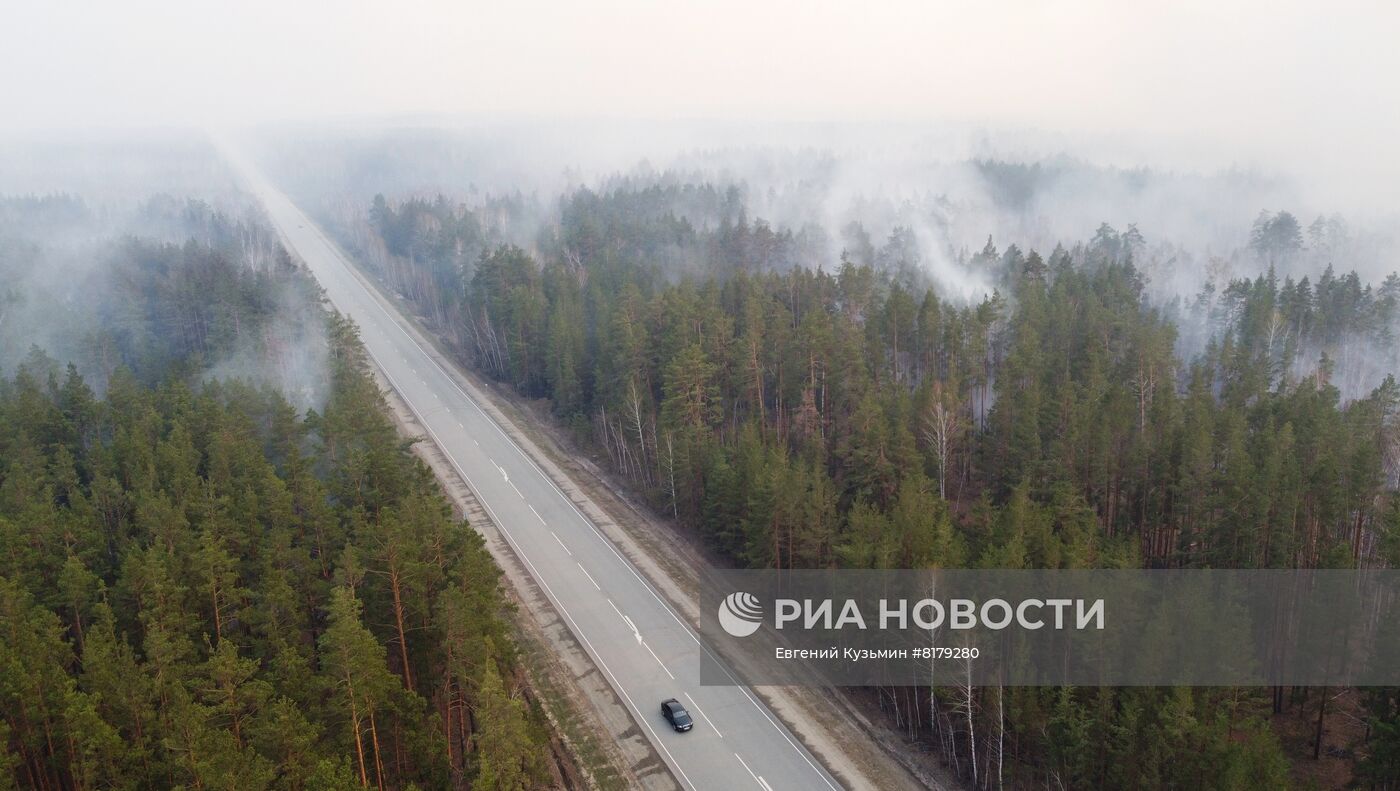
[674,705]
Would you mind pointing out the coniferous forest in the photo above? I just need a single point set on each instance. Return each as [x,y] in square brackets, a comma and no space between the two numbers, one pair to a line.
[795,414]
[222,568]
[387,389]
[204,586]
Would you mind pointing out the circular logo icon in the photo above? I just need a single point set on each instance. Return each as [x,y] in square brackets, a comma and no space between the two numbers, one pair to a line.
[740,614]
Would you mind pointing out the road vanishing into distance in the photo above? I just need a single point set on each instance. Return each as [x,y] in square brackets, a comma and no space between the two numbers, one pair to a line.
[639,642]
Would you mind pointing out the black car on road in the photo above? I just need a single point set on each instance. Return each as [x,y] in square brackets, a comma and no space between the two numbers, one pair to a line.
[676,714]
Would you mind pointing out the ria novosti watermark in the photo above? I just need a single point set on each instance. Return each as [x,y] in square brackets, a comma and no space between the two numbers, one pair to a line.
[1119,628]
[741,614]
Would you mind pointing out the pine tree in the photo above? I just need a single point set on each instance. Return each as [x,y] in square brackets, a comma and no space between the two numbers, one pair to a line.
[358,681]
[507,760]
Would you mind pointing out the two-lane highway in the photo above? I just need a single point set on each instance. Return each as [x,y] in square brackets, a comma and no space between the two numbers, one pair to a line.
[639,643]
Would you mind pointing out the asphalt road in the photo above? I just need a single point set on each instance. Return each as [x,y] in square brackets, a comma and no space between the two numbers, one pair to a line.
[642,646]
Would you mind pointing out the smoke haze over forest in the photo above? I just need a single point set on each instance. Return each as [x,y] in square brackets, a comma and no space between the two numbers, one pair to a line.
[1196,84]
[802,284]
[1186,121]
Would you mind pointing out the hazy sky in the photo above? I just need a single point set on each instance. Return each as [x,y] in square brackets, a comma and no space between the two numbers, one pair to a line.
[1312,84]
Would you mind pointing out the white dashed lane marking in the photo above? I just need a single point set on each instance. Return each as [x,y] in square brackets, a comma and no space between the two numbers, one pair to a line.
[561,542]
[693,705]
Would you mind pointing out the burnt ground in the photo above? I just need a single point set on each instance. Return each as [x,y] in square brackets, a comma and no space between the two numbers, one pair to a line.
[1344,735]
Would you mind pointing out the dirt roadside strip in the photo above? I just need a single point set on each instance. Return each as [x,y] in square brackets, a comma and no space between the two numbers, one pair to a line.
[853,749]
